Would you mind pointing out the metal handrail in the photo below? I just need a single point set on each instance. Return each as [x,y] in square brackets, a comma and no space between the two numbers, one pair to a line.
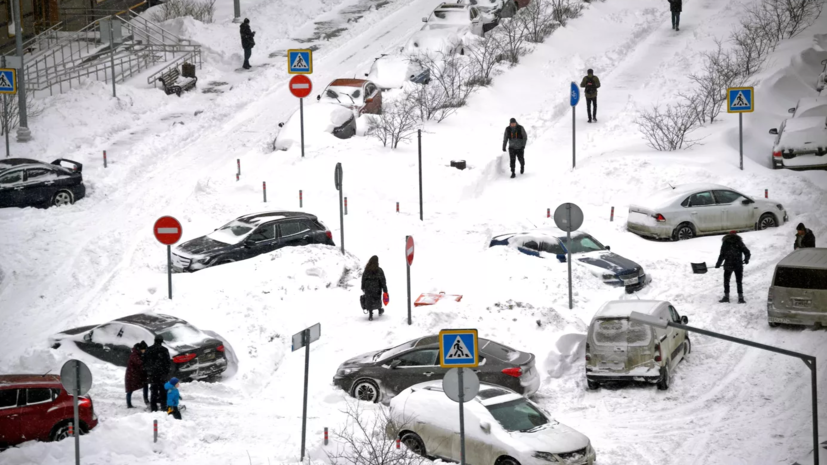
[147,24]
[36,39]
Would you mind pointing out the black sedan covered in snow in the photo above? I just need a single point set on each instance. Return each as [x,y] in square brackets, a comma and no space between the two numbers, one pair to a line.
[195,354]
[31,183]
[248,236]
[586,251]
[387,372]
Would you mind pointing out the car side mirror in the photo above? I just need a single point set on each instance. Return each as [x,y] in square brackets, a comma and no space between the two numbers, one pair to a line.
[424,19]
[88,336]
[249,243]
[774,131]
[791,110]
[395,363]
[486,427]
[747,201]
[684,320]
[561,257]
[318,97]
[608,247]
[366,74]
[281,125]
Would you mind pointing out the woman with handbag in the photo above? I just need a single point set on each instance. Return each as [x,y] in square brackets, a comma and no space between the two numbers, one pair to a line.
[374,288]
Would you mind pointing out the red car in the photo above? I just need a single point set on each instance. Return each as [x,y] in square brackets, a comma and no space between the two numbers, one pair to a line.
[360,95]
[36,407]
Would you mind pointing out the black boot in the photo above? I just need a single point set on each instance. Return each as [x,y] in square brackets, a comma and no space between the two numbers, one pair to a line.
[513,175]
[741,299]
[370,316]
[381,311]
[725,300]
[522,169]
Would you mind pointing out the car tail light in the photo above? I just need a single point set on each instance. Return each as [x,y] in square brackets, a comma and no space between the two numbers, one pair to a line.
[588,355]
[183,358]
[515,372]
[660,217]
[777,154]
[659,355]
[220,348]
[329,235]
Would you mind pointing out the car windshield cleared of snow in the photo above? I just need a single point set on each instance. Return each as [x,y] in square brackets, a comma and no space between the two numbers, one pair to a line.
[581,244]
[232,233]
[182,334]
[517,415]
[801,278]
[619,331]
[449,17]
[344,94]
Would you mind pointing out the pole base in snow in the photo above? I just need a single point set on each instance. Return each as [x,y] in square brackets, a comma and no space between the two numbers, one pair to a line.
[23,134]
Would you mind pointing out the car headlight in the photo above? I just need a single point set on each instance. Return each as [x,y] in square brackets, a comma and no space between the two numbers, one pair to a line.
[641,273]
[203,261]
[608,276]
[780,207]
[547,456]
[345,371]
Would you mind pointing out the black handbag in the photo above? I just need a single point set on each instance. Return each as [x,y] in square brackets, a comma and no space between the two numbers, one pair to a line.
[362,301]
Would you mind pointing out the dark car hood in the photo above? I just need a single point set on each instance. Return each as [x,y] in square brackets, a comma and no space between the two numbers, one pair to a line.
[202,245]
[608,261]
[361,360]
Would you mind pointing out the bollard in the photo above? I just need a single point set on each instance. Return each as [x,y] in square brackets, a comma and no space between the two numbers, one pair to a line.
[397,443]
[345,205]
[238,161]
[301,201]
[155,430]
[104,158]
[264,190]
[612,215]
[548,212]
[71,429]
[397,207]
[766,193]
[325,435]
[236,176]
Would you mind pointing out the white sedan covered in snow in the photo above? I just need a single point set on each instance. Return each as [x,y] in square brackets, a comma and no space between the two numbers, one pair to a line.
[689,210]
[800,143]
[322,121]
[447,30]
[392,71]
[501,428]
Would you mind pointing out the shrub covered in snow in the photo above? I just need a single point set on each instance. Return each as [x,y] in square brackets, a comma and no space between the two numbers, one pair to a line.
[202,10]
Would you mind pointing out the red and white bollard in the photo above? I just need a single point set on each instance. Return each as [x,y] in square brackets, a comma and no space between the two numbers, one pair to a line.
[612,215]
[264,190]
[397,207]
[155,430]
[238,161]
[766,193]
[345,205]
[104,158]
[325,435]
[237,176]
[71,429]
[301,201]
[397,443]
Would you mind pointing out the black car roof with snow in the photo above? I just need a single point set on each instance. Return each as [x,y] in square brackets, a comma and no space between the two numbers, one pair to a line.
[13,162]
[256,218]
[152,322]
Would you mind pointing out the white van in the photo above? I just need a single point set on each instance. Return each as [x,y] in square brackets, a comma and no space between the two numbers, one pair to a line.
[619,349]
[798,293]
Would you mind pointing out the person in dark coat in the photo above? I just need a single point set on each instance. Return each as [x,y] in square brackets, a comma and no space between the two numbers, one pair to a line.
[373,286]
[157,363]
[734,255]
[516,138]
[803,237]
[136,374]
[247,42]
[675,7]
[591,83]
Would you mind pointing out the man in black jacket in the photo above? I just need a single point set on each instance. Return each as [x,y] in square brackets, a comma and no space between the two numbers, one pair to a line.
[247,42]
[516,138]
[157,364]
[734,255]
[803,237]
[675,7]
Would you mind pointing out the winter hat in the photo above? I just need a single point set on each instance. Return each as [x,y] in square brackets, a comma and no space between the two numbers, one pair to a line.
[246,21]
[733,232]
[173,381]
[800,227]
[142,345]
[590,71]
[159,338]
[513,121]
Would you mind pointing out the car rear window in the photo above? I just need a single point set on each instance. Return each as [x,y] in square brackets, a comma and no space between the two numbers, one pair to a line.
[8,398]
[801,278]
[182,334]
[619,331]
[498,351]
[517,415]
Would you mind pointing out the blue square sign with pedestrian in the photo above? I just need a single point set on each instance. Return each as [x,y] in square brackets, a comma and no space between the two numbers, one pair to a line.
[300,61]
[740,100]
[458,348]
[8,81]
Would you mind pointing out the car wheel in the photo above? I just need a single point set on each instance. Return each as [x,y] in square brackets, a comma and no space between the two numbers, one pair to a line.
[592,385]
[61,431]
[414,443]
[687,348]
[683,232]
[224,261]
[663,382]
[507,461]
[767,220]
[366,390]
[63,198]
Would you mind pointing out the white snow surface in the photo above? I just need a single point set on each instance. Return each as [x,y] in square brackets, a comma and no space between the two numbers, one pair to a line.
[97,260]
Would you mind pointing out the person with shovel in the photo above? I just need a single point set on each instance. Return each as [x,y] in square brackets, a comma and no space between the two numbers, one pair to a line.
[734,255]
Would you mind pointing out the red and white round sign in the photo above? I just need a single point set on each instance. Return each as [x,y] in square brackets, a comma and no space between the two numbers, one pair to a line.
[409,250]
[167,230]
[300,86]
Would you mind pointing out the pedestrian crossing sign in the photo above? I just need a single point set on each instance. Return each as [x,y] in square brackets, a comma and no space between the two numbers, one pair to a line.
[458,348]
[8,81]
[300,61]
[740,100]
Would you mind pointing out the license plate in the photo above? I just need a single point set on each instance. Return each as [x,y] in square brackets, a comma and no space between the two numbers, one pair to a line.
[630,281]
[209,356]
[802,303]
[784,321]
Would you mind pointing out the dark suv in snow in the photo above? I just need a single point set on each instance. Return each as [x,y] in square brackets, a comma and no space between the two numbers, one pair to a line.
[248,236]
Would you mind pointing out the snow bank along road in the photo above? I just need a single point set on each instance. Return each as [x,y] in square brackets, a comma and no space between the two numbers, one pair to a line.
[97,260]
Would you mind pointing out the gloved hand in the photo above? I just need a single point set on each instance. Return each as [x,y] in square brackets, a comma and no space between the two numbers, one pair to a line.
[717,265]
[746,262]
[503,148]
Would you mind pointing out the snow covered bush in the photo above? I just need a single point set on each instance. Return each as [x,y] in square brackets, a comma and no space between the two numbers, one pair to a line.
[719,70]
[541,17]
[11,117]
[397,122]
[453,79]
[366,439]
[564,10]
[751,47]
[511,36]
[200,10]
[484,55]
[784,19]
[668,130]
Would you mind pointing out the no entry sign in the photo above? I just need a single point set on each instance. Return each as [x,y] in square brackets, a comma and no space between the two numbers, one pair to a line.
[167,230]
[300,86]
[409,250]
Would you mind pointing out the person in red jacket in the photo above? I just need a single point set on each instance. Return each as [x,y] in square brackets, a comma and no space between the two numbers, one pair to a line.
[136,374]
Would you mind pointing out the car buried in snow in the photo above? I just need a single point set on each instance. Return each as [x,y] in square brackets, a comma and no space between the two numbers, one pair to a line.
[390,71]
[31,183]
[689,210]
[321,121]
[800,143]
[195,353]
[360,95]
[249,236]
[501,428]
[586,251]
[448,29]
[380,375]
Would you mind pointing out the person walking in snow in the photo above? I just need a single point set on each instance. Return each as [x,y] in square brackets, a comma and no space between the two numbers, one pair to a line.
[173,396]
[516,138]
[734,255]
[591,83]
[157,363]
[136,374]
[374,287]
[675,7]
[803,237]
[247,42]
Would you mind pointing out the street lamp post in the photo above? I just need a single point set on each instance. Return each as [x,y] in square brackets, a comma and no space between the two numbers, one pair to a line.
[808,360]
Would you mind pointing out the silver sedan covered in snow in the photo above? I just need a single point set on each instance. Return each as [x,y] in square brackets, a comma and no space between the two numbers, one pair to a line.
[690,210]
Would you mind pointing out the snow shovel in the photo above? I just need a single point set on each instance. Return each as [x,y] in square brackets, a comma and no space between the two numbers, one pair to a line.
[699,268]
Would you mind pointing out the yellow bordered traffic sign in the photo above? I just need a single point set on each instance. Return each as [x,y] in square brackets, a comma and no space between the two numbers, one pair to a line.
[300,61]
[458,348]
[740,99]
[8,81]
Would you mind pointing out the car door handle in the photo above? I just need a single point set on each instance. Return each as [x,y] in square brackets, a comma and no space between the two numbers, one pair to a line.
[428,373]
[49,183]
[106,349]
[18,188]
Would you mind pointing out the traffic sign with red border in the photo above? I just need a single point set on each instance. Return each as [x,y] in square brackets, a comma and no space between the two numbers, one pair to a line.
[300,86]
[167,230]
[409,250]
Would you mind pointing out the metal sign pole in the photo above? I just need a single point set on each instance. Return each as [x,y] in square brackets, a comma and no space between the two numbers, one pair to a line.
[112,54]
[23,132]
[6,122]
[306,373]
[573,145]
[461,417]
[169,269]
[342,219]
[741,138]
[77,416]
[568,250]
[419,136]
[301,122]
[409,291]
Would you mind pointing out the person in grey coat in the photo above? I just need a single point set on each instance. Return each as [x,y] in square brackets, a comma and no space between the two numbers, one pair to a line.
[515,137]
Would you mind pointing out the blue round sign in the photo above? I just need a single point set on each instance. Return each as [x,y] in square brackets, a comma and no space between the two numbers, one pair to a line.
[575,94]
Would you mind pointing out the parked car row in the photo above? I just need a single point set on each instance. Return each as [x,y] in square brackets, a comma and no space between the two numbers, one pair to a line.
[801,140]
